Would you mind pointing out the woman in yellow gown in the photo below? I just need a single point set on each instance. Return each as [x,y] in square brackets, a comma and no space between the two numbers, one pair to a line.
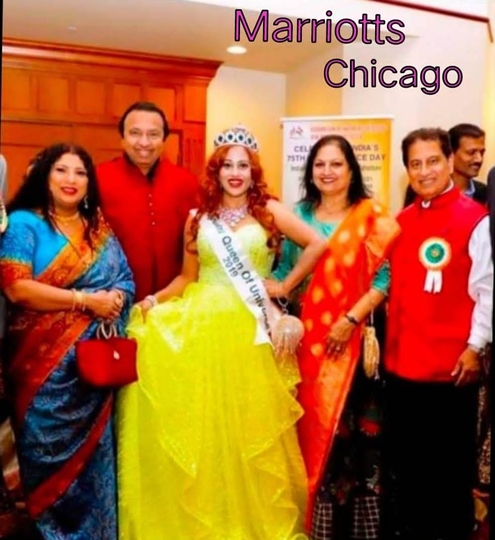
[207,447]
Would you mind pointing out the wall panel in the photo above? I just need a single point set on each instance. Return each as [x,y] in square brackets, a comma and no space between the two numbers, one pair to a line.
[54,92]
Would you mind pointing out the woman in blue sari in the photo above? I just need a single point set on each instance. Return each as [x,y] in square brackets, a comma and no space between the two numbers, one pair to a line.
[63,272]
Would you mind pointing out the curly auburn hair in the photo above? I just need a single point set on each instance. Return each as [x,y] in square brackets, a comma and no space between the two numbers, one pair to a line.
[210,195]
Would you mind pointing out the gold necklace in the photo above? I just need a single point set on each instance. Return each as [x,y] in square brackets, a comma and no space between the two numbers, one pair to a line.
[65,220]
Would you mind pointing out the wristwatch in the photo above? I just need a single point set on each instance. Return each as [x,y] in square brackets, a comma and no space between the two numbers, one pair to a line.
[351,319]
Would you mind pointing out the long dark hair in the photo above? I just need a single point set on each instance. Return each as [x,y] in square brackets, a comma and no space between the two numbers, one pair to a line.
[34,193]
[357,189]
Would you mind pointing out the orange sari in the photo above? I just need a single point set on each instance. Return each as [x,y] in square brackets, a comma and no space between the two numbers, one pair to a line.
[343,275]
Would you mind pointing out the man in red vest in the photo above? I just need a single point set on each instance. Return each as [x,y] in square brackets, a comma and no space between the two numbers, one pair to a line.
[440,318]
[146,199]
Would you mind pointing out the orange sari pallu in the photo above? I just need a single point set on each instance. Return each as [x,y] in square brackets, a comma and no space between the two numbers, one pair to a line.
[356,250]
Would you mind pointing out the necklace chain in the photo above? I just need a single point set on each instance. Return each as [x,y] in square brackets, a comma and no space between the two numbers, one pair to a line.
[68,219]
[232,216]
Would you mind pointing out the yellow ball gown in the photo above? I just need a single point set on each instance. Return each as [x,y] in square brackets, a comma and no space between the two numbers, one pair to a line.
[207,447]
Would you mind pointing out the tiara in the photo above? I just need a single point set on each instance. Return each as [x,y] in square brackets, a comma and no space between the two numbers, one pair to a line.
[238,135]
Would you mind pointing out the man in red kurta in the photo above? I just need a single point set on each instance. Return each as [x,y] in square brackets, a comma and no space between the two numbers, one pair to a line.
[146,199]
[440,314]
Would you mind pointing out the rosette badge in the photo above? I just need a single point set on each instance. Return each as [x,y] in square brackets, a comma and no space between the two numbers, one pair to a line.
[434,254]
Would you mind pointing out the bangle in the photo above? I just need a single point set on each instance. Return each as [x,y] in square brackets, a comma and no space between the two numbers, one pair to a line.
[121,297]
[120,294]
[351,319]
[80,300]
[283,290]
[74,300]
[152,300]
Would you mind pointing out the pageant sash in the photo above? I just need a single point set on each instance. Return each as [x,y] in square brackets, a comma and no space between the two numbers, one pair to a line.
[245,279]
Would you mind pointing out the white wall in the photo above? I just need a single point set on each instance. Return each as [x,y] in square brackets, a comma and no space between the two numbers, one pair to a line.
[257,100]
[307,93]
[410,106]
[489,101]
[433,39]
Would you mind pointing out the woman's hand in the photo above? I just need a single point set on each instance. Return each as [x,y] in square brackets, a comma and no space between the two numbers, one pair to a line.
[276,289]
[338,337]
[118,298]
[145,305]
[104,304]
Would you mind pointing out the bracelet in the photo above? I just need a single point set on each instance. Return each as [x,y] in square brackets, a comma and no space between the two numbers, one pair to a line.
[282,289]
[351,319]
[152,300]
[121,297]
[120,294]
[74,300]
[79,300]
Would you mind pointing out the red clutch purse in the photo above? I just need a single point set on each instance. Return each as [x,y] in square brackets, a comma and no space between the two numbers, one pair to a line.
[108,360]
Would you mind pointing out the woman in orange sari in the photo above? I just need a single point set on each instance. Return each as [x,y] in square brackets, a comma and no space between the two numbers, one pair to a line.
[338,432]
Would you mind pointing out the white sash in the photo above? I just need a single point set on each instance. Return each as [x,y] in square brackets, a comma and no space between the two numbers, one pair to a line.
[247,283]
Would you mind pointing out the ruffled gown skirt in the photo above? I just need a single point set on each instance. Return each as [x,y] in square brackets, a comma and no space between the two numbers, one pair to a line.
[207,447]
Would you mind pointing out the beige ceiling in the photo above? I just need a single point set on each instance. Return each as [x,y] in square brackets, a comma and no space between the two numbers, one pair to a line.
[171,27]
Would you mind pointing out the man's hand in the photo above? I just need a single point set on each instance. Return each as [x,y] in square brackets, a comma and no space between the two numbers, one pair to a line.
[468,367]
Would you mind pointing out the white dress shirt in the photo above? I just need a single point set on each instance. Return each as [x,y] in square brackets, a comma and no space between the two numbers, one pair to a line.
[480,284]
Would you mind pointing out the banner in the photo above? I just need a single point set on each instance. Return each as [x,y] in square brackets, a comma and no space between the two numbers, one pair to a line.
[370,137]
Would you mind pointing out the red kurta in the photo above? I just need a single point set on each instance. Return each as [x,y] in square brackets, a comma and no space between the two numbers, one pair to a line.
[427,332]
[148,217]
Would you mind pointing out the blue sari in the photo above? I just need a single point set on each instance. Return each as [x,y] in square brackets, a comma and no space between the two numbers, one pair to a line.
[63,427]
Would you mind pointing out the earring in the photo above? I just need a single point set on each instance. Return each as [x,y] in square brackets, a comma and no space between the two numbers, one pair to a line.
[85,203]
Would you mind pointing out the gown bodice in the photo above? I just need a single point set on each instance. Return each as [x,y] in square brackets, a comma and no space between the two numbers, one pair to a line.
[252,238]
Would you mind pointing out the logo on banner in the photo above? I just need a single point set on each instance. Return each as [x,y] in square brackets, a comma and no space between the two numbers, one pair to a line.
[296,132]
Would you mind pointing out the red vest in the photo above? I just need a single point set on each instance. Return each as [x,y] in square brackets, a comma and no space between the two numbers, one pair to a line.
[148,217]
[426,331]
